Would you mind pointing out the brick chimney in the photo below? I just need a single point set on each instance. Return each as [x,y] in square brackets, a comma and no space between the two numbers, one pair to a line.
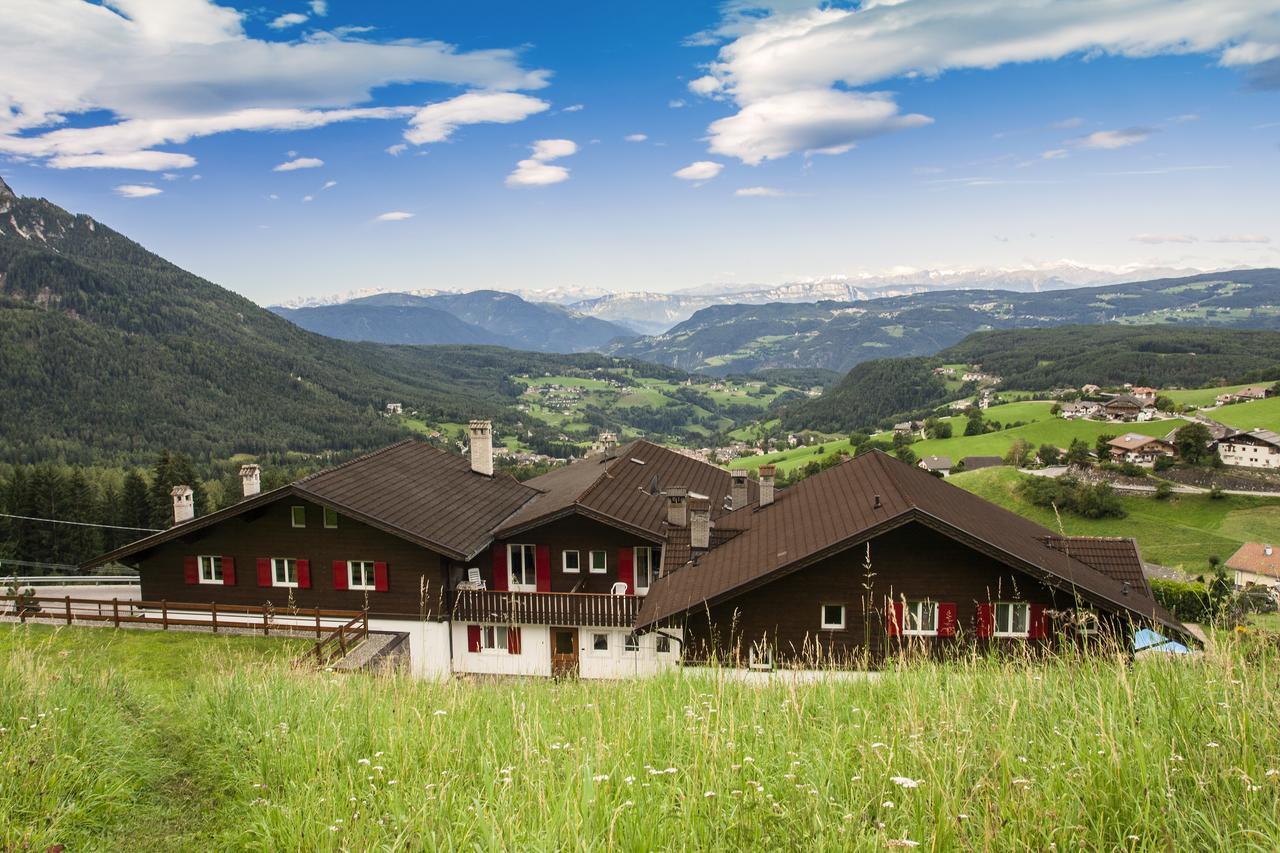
[738,492]
[482,447]
[184,505]
[677,506]
[766,484]
[700,524]
[251,479]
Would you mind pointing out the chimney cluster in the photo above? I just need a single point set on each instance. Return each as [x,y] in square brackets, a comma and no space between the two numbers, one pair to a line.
[251,479]
[738,491]
[700,524]
[677,506]
[766,484]
[184,504]
[482,447]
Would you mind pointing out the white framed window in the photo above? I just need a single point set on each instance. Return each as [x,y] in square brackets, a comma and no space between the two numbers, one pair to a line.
[330,519]
[920,619]
[211,570]
[631,643]
[600,642]
[298,516]
[520,563]
[360,575]
[1087,622]
[662,644]
[284,571]
[833,617]
[647,562]
[599,562]
[494,639]
[760,656]
[571,562]
[1013,619]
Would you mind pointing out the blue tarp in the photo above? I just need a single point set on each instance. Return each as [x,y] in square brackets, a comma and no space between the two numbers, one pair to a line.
[1147,640]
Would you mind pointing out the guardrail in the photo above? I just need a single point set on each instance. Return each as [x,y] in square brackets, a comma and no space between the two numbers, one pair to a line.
[546,608]
[68,580]
[338,643]
[172,614]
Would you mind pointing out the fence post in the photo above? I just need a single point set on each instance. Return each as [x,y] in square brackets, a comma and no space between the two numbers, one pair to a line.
[68,603]
[366,621]
[317,623]
[266,625]
[115,611]
[214,611]
[342,640]
[164,615]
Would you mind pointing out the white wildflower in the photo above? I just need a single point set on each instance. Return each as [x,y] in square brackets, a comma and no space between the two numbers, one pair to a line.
[888,804]
[905,781]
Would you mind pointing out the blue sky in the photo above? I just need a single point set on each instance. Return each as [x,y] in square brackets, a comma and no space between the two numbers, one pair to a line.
[780,142]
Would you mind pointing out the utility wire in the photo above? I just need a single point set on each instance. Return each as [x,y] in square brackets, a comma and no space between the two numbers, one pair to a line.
[78,523]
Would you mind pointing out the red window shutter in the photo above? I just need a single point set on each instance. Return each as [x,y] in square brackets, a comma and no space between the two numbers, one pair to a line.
[380,580]
[946,619]
[264,571]
[304,574]
[340,574]
[627,569]
[229,571]
[1038,629]
[986,620]
[191,569]
[542,567]
[473,638]
[893,618]
[513,641]
[500,573]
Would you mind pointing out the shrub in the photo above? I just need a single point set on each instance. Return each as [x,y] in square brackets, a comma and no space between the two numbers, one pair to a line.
[1190,602]
[1164,491]
[1090,500]
[1164,463]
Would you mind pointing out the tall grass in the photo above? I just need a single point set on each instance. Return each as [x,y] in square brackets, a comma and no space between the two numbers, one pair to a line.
[226,747]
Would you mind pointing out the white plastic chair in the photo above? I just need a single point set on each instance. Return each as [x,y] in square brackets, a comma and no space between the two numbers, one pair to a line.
[473,578]
[619,588]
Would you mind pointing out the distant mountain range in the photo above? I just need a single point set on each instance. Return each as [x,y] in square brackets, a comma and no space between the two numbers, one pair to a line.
[478,317]
[836,335]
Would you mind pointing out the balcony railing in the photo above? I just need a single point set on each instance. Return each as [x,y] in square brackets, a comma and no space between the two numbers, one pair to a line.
[546,608]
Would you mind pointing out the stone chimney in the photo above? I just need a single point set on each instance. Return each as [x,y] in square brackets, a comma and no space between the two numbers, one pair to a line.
[251,479]
[738,492]
[766,484]
[700,524]
[677,506]
[482,447]
[1268,550]
[608,443]
[184,505]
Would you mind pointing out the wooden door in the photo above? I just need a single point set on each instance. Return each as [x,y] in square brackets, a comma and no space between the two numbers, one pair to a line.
[564,652]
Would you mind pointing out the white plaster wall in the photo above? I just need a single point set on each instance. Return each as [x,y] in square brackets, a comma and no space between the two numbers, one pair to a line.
[534,657]
[428,645]
[617,663]
[1248,455]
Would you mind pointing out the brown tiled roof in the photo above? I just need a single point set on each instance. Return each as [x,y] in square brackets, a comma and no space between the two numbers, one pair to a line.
[1114,556]
[624,489]
[1265,436]
[409,489]
[1125,400]
[857,500]
[1253,557]
[975,463]
[1134,440]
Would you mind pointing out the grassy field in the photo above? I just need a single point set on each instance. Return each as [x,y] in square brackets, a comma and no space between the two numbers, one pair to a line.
[148,742]
[1182,532]
[1264,414]
[1202,396]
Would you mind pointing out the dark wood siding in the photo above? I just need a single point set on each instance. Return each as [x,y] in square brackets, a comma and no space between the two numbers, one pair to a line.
[267,532]
[913,561]
[575,533]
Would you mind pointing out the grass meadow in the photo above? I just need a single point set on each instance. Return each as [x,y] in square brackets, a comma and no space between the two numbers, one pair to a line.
[139,741]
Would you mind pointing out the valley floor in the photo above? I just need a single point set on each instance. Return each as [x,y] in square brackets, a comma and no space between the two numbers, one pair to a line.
[130,740]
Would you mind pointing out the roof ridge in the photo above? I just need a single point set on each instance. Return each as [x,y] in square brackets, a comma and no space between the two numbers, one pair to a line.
[361,458]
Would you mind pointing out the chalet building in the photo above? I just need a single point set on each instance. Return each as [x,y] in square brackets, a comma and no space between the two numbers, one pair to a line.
[1078,410]
[1138,449]
[638,558]
[1125,407]
[936,465]
[1259,448]
[1256,564]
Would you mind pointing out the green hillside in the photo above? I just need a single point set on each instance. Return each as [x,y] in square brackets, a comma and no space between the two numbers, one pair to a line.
[1256,414]
[1182,532]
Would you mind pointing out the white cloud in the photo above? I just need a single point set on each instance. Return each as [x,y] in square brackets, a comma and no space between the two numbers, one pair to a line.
[146,74]
[1055,154]
[299,163]
[328,185]
[307,198]
[291,19]
[636,137]
[574,108]
[759,192]
[137,190]
[393,216]
[537,171]
[397,149]
[1067,123]
[781,53]
[1242,238]
[1110,139]
[1164,238]
[319,8]
[703,170]
[437,122]
[675,103]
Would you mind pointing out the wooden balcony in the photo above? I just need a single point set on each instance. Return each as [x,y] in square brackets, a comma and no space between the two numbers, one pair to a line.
[546,608]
